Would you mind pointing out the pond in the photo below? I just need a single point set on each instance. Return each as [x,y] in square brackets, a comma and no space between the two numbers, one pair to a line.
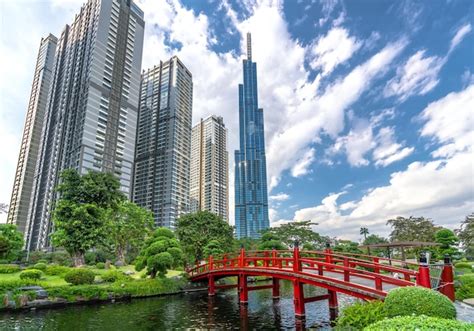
[185,311]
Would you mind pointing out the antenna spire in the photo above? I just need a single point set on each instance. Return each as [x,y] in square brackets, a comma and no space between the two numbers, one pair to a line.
[249,46]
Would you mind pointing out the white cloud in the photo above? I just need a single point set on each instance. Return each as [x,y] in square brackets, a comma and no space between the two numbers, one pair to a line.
[388,150]
[301,167]
[459,36]
[333,49]
[279,197]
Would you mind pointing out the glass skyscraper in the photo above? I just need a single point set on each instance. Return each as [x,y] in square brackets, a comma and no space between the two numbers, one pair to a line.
[251,197]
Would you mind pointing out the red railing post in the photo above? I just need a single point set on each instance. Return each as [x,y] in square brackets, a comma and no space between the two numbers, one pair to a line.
[224,264]
[276,288]
[242,257]
[333,306]
[243,289]
[296,258]
[211,289]
[423,275]
[346,272]
[265,262]
[274,258]
[328,255]
[378,280]
[211,262]
[447,279]
[298,298]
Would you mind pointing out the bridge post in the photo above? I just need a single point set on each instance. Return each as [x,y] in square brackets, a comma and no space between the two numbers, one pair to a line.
[346,272]
[296,258]
[243,289]
[211,262]
[298,299]
[423,275]
[225,261]
[378,280]
[211,288]
[274,258]
[447,280]
[276,288]
[328,252]
[242,257]
[333,306]
[265,262]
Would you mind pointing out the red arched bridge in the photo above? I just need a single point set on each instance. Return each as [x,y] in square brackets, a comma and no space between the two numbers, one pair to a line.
[361,276]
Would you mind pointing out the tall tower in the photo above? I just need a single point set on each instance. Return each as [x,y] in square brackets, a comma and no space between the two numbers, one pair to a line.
[91,116]
[25,169]
[251,196]
[209,167]
[161,180]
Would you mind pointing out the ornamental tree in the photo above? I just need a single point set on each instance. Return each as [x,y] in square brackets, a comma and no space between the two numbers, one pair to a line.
[160,253]
[11,242]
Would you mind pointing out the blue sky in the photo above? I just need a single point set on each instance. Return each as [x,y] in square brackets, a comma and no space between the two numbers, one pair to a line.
[368,104]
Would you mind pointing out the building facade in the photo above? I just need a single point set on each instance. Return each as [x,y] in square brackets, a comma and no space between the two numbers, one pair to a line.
[29,148]
[162,156]
[209,167]
[251,196]
[92,109]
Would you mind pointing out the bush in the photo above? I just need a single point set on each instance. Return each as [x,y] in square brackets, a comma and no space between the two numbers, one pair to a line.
[31,274]
[418,301]
[61,258]
[71,293]
[419,323]
[43,261]
[90,258]
[100,265]
[36,256]
[361,314]
[9,268]
[79,276]
[40,266]
[112,276]
[55,270]
[463,265]
[465,289]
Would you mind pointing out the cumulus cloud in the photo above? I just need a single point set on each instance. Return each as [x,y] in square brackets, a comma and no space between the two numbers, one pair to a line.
[301,166]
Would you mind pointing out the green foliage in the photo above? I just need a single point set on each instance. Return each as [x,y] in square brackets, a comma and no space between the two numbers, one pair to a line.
[160,253]
[31,274]
[447,240]
[465,290]
[37,256]
[270,240]
[79,276]
[361,314]
[213,248]
[463,265]
[418,301]
[56,270]
[375,239]
[40,266]
[112,276]
[129,226]
[302,232]
[61,258]
[11,242]
[412,229]
[347,246]
[100,265]
[10,285]
[90,258]
[419,323]
[196,230]
[9,268]
[466,235]
[145,287]
[72,293]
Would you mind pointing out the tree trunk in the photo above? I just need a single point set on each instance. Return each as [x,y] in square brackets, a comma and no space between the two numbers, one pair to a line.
[78,259]
[121,254]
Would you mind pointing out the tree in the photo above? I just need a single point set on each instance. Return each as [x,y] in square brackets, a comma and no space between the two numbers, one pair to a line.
[213,248]
[270,240]
[466,235]
[196,230]
[364,232]
[161,252]
[347,246]
[11,242]
[375,239]
[447,240]
[412,229]
[78,216]
[288,233]
[128,227]
[78,228]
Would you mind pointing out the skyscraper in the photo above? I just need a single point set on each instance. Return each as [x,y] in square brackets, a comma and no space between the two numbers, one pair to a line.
[25,169]
[209,167]
[251,196]
[91,116]
[161,180]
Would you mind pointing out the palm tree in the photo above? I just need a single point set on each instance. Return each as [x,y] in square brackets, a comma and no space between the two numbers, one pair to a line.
[364,232]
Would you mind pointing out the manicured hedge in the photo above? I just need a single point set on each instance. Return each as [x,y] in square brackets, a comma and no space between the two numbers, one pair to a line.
[79,276]
[419,323]
[112,276]
[463,265]
[418,301]
[34,274]
[56,270]
[100,265]
[40,266]
[9,268]
[360,315]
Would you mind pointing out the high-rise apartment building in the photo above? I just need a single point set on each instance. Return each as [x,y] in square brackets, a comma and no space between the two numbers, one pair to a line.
[25,169]
[251,196]
[92,109]
[209,167]
[161,180]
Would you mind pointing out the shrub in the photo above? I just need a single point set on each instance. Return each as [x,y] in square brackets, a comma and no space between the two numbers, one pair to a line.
[100,265]
[112,276]
[36,256]
[71,293]
[9,268]
[465,289]
[31,274]
[418,301]
[419,323]
[40,266]
[55,270]
[361,314]
[463,265]
[90,258]
[43,261]
[62,258]
[79,276]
